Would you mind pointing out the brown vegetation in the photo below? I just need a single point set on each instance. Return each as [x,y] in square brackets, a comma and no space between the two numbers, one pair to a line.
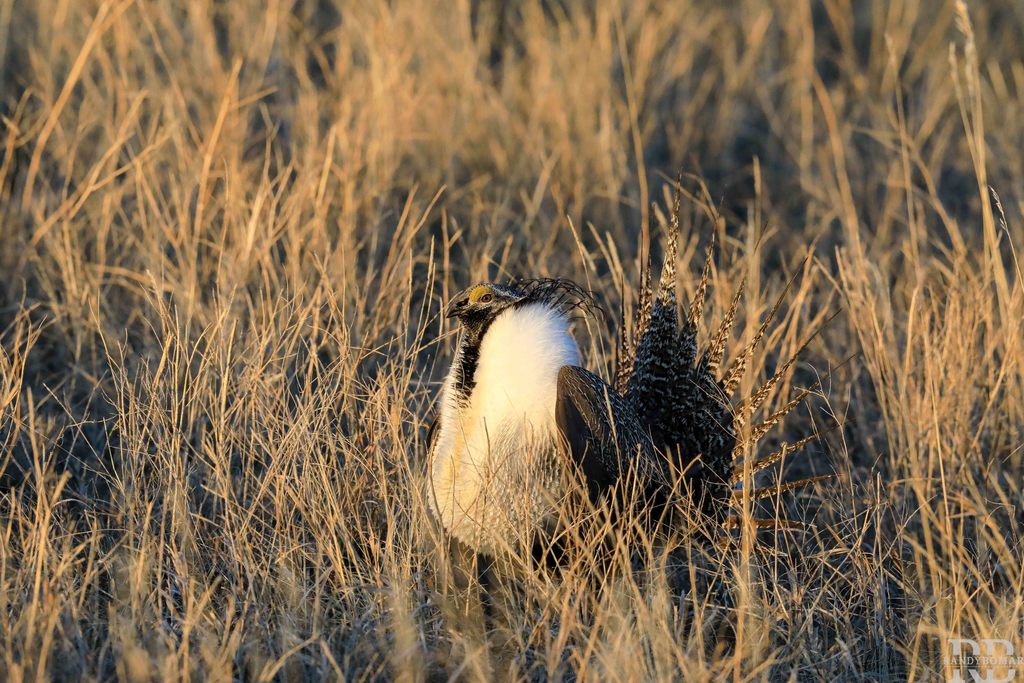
[226,232]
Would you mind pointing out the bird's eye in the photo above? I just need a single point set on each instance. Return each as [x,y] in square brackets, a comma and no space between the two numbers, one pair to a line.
[487,298]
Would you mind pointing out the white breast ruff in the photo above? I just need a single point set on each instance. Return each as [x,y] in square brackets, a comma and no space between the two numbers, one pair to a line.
[493,475]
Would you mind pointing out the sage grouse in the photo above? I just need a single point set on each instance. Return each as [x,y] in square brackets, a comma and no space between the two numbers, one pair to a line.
[516,408]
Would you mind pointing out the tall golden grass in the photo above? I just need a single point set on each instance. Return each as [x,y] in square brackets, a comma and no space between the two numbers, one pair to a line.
[227,232]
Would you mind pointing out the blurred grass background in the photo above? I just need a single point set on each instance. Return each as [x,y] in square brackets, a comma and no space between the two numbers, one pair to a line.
[226,232]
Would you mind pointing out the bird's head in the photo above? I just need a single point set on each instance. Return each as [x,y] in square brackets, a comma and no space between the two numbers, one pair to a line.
[478,305]
[482,303]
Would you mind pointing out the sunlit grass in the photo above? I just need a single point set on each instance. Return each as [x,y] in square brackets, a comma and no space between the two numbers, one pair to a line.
[226,233]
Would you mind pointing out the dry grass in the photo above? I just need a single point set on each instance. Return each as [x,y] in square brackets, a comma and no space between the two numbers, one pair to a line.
[226,231]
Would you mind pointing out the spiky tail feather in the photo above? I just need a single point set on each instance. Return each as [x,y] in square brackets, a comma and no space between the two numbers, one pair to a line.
[741,469]
[675,389]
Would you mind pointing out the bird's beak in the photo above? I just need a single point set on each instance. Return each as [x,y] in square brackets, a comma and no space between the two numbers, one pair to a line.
[453,306]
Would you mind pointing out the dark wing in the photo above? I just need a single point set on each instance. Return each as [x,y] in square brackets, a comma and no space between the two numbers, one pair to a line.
[603,435]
